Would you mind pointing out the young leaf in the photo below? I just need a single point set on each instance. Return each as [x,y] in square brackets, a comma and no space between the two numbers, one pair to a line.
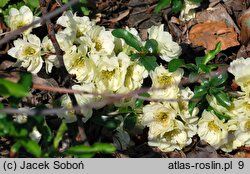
[211,54]
[59,135]
[151,46]
[162,4]
[174,64]
[129,38]
[149,62]
[177,6]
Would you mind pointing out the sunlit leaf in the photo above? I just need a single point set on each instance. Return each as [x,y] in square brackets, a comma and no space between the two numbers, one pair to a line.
[32,147]
[223,99]
[211,54]
[8,88]
[129,38]
[59,135]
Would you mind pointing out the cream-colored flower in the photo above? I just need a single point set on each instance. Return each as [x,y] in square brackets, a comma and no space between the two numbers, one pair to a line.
[20,18]
[135,74]
[27,51]
[240,69]
[35,135]
[188,10]
[212,130]
[162,78]
[242,106]
[76,62]
[99,41]
[168,49]
[111,72]
[79,25]
[159,118]
[82,99]
[175,139]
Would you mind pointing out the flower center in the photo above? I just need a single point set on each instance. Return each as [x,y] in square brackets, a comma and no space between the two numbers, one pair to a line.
[108,74]
[79,62]
[165,80]
[212,126]
[20,24]
[162,118]
[247,124]
[29,51]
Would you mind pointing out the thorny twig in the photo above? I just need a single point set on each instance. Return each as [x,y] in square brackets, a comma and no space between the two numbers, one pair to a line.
[64,73]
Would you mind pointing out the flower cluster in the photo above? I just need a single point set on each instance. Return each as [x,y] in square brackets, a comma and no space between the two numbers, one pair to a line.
[170,124]
[103,63]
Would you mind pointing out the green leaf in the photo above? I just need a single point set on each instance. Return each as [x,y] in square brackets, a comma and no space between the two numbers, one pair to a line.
[151,46]
[32,147]
[149,62]
[211,54]
[222,99]
[177,5]
[3,3]
[139,102]
[2,115]
[25,80]
[32,3]
[191,67]
[129,38]
[8,88]
[174,64]
[15,147]
[162,4]
[200,91]
[191,106]
[221,116]
[130,121]
[219,80]
[82,150]
[59,135]
[196,1]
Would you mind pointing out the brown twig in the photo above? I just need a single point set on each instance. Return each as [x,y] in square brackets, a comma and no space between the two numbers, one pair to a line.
[64,73]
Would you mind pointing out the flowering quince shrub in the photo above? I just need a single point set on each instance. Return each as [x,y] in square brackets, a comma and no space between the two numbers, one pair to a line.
[118,62]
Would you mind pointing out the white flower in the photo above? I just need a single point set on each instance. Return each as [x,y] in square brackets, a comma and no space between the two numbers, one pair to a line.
[167,47]
[99,41]
[240,69]
[111,72]
[79,25]
[159,118]
[162,78]
[20,18]
[82,99]
[35,135]
[27,51]
[212,130]
[242,134]
[169,141]
[135,74]
[76,62]
[188,12]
